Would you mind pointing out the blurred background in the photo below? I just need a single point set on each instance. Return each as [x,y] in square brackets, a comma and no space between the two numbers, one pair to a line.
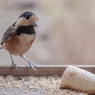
[65,32]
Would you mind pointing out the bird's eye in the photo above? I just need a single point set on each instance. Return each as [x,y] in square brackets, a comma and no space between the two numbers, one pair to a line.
[27,17]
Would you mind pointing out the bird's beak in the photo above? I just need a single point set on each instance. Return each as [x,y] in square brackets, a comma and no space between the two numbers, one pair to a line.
[34,19]
[34,24]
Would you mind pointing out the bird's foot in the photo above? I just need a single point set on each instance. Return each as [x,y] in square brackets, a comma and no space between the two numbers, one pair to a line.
[30,64]
[14,65]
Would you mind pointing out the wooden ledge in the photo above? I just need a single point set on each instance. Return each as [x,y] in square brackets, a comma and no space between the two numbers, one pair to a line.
[42,70]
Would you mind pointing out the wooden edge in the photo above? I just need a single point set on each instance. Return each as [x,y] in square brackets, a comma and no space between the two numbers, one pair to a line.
[42,70]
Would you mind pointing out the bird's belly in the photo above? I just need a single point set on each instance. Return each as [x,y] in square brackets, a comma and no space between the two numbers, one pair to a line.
[18,45]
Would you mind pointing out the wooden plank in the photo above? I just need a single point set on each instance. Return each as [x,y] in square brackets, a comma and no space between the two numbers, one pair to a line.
[42,70]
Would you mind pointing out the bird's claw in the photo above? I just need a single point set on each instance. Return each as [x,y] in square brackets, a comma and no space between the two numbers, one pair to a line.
[30,64]
[14,65]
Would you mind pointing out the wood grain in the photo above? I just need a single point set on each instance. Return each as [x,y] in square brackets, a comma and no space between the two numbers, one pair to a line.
[42,70]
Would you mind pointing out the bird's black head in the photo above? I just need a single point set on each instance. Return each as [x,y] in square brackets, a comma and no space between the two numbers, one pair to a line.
[27,18]
[27,15]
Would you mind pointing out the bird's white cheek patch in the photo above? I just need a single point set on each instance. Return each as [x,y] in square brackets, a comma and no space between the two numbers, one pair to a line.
[22,22]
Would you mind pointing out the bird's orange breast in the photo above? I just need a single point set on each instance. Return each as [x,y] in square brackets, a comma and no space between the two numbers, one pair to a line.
[18,45]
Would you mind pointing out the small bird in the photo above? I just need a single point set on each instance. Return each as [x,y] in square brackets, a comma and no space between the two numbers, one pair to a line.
[19,37]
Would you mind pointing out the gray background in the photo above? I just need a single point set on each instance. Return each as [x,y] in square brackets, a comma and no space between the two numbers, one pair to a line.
[65,32]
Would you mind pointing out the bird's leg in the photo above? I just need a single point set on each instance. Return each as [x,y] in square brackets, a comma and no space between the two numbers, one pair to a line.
[13,64]
[30,64]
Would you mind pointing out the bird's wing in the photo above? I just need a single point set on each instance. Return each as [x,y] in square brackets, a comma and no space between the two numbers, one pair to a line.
[9,32]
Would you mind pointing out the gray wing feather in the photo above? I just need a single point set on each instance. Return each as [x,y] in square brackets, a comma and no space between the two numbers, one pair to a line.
[7,34]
